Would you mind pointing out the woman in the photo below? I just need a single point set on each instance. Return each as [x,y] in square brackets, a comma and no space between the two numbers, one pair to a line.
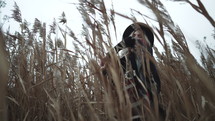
[136,57]
[142,81]
[136,49]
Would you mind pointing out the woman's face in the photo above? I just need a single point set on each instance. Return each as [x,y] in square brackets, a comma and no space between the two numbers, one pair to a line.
[138,34]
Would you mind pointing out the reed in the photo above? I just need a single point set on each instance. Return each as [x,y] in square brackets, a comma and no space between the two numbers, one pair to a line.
[48,82]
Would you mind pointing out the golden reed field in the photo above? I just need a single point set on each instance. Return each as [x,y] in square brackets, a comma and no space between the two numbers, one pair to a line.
[42,80]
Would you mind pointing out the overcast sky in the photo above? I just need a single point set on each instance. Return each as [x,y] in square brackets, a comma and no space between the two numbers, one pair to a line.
[194,25]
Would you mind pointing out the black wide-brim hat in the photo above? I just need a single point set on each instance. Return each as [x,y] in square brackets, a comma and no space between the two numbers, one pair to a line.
[145,28]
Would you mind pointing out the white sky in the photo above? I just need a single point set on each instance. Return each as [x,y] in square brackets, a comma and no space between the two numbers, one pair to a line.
[194,25]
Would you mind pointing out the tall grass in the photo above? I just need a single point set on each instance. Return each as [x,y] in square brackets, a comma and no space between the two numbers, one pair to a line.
[47,82]
[4,78]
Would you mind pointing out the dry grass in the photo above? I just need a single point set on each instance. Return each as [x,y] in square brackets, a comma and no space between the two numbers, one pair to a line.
[4,78]
[47,82]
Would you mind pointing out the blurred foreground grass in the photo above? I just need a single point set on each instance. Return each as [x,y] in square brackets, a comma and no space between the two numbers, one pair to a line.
[48,82]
